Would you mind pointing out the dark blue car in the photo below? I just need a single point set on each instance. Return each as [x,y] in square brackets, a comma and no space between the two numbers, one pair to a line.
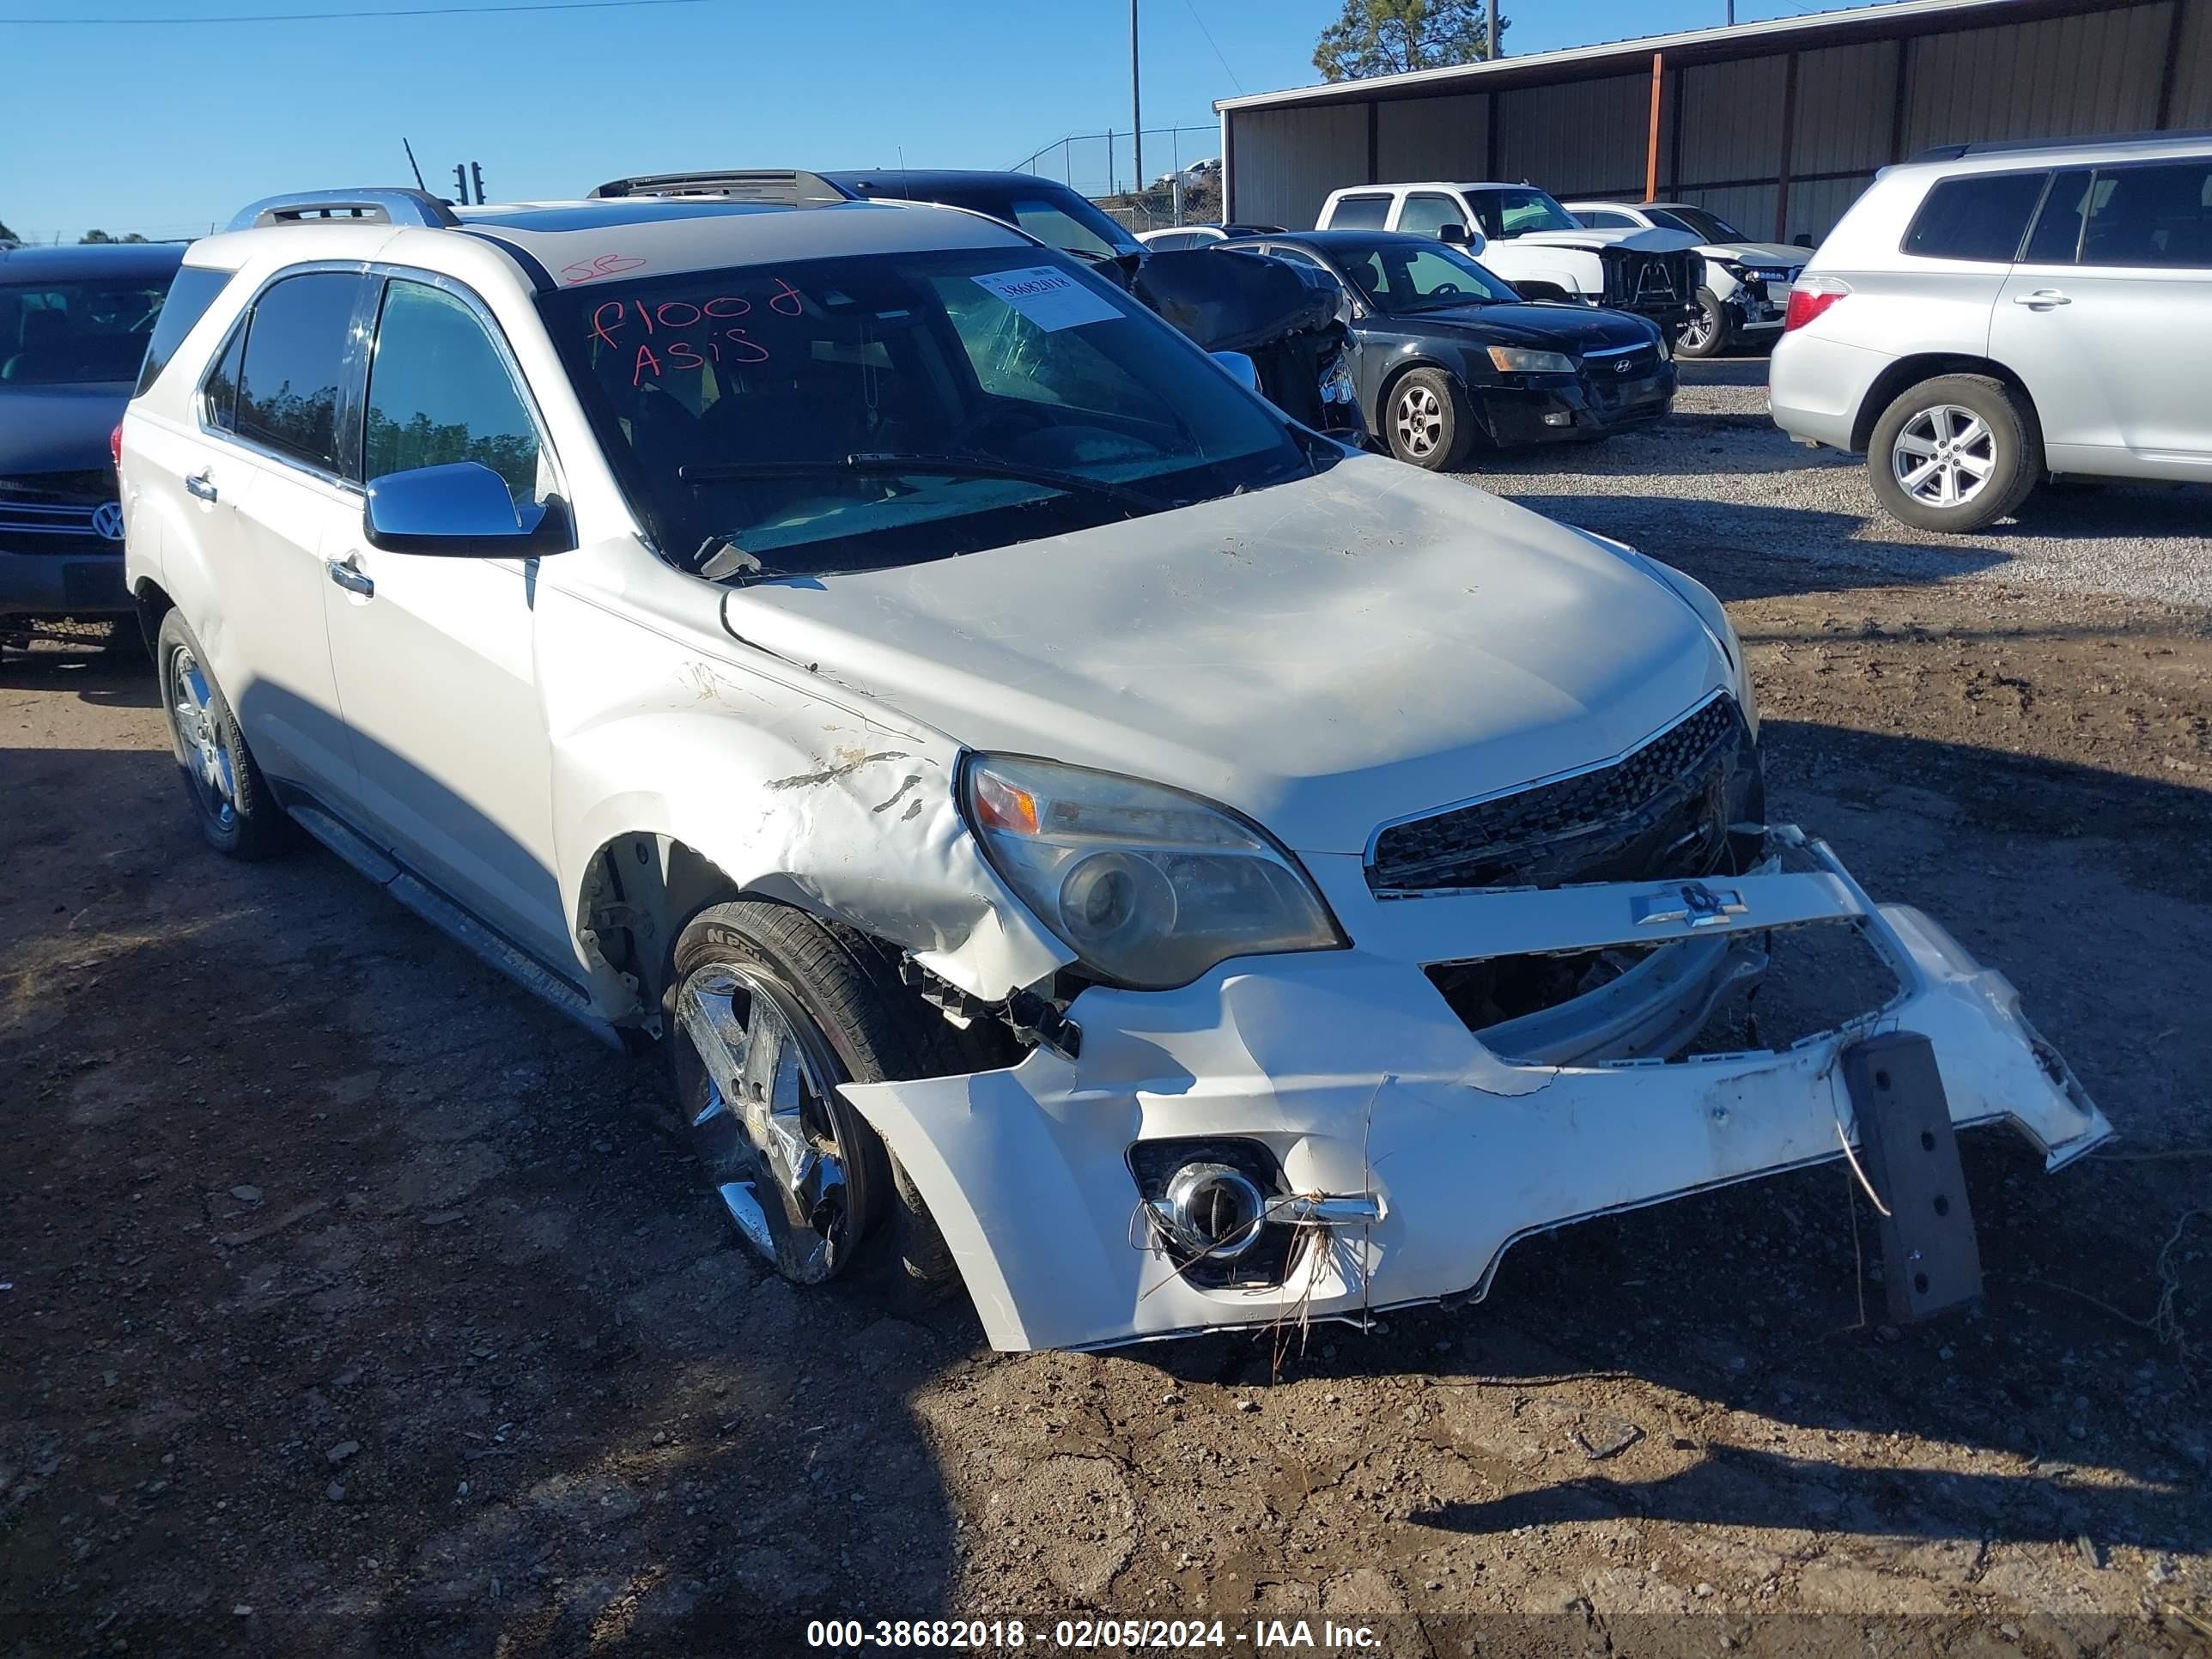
[74,326]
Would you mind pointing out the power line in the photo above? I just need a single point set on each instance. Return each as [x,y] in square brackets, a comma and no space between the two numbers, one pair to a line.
[334,16]
[1208,33]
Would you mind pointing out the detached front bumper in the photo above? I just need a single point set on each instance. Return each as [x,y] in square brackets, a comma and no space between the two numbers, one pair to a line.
[1352,1071]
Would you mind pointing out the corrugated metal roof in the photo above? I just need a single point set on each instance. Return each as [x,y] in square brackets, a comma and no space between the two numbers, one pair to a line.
[1775,34]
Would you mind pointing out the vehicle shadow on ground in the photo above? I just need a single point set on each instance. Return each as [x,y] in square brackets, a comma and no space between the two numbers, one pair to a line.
[95,673]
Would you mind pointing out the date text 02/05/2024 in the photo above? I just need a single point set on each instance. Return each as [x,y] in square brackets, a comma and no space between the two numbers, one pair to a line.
[1088,1635]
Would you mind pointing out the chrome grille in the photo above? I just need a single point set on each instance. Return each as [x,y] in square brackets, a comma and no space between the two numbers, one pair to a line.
[1663,809]
[52,512]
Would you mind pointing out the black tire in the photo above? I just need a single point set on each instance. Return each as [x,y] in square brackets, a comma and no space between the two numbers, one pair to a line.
[866,1026]
[1427,420]
[1709,334]
[1921,425]
[238,812]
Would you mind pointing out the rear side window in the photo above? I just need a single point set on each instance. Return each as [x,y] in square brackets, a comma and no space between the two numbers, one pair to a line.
[2151,215]
[1369,212]
[1426,213]
[2058,232]
[439,392]
[190,296]
[1605,219]
[1980,216]
[291,382]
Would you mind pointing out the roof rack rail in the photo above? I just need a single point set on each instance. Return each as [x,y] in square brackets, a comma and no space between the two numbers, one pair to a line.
[777,186]
[378,205]
[2085,141]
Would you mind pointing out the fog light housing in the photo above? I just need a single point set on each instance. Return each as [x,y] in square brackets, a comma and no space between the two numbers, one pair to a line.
[1559,417]
[1212,1210]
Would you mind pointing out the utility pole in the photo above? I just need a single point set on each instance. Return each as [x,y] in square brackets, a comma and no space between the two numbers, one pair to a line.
[1489,30]
[1136,108]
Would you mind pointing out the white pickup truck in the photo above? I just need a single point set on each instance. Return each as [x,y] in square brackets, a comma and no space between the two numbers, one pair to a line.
[1521,235]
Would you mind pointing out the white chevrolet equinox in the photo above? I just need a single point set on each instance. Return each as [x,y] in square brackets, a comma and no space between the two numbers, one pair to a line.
[1072,828]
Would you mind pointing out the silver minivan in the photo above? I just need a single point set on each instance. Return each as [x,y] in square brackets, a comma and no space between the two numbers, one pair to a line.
[1988,314]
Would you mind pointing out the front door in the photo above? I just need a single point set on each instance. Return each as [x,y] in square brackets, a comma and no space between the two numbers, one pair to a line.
[2107,318]
[435,655]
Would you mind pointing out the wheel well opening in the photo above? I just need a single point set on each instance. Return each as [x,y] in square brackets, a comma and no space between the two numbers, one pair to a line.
[152,605]
[1908,371]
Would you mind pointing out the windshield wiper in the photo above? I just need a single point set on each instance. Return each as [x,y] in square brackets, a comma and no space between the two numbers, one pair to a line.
[948,466]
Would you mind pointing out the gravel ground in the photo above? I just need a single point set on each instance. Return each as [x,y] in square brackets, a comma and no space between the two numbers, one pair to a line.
[352,1303]
[1718,476]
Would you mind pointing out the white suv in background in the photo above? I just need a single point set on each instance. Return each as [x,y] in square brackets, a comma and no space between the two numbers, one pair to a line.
[876,659]
[1989,313]
[1747,283]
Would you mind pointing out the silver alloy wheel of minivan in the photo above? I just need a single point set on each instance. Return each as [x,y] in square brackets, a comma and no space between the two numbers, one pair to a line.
[756,1075]
[1944,455]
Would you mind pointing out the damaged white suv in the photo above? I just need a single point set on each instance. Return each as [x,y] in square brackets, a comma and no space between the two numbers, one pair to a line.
[1062,817]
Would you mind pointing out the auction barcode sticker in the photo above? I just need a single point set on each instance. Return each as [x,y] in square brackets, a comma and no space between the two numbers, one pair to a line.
[1051,299]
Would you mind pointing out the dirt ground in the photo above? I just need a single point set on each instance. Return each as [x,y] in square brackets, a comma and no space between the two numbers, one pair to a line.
[353,1304]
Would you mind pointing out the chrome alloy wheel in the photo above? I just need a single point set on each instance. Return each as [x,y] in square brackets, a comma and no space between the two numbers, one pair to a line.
[756,1078]
[1420,419]
[1944,456]
[200,748]
[1698,333]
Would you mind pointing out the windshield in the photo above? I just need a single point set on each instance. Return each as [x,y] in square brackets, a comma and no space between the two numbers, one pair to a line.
[77,333]
[1402,277]
[1517,212]
[1706,227]
[839,414]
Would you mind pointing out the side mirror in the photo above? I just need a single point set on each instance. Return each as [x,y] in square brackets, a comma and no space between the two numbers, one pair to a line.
[1241,368]
[1452,231]
[461,510]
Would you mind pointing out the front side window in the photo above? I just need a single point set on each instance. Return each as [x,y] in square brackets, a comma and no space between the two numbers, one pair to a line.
[2151,215]
[1369,212]
[1980,216]
[439,391]
[298,346]
[852,414]
[1425,213]
[1400,278]
[77,332]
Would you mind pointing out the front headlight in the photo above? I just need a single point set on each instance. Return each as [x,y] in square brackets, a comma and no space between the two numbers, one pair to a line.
[1149,886]
[1516,360]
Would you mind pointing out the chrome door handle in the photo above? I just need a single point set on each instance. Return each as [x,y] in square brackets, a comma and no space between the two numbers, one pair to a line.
[350,576]
[199,485]
[2042,299]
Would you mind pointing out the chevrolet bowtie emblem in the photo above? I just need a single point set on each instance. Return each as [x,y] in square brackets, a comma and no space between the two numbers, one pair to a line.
[1693,902]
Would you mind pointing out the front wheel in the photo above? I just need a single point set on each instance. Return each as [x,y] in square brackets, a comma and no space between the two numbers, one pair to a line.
[1706,334]
[772,1011]
[1953,454]
[1427,420]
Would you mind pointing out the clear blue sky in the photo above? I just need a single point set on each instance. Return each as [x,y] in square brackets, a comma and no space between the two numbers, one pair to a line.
[160,129]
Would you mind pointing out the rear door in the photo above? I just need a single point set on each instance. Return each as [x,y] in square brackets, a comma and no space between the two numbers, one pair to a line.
[434,655]
[268,487]
[2107,318]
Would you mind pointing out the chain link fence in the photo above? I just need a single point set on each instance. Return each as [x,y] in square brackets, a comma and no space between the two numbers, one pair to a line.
[1182,167]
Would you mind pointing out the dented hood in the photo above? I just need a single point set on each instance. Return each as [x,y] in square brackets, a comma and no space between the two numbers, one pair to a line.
[1324,656]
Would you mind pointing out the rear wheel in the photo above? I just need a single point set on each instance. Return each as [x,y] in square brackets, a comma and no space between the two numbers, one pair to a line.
[1427,422]
[772,1010]
[238,812]
[1706,334]
[1953,454]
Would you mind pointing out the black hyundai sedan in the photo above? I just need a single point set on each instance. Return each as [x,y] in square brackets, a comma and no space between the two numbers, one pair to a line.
[1450,356]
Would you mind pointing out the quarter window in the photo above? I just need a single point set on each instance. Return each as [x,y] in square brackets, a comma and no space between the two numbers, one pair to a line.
[294,368]
[1370,212]
[2151,215]
[439,392]
[192,294]
[1425,213]
[1980,216]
